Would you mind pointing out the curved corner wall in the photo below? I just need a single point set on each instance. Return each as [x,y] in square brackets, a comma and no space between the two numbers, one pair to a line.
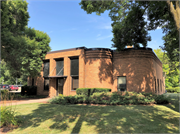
[141,68]
[98,68]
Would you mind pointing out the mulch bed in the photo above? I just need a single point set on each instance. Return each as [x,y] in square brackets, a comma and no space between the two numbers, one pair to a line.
[5,129]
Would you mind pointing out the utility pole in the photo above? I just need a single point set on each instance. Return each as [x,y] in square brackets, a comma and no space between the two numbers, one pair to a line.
[16,81]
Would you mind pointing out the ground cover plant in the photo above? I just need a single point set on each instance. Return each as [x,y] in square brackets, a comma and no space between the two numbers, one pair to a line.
[53,118]
[115,98]
[8,114]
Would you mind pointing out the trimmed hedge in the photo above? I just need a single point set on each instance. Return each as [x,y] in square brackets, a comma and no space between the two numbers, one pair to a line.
[29,90]
[91,91]
[173,89]
[115,98]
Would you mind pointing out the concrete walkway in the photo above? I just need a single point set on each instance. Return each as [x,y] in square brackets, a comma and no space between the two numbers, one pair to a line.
[26,101]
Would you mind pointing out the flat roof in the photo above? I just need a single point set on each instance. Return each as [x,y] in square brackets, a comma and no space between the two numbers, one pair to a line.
[59,76]
[108,49]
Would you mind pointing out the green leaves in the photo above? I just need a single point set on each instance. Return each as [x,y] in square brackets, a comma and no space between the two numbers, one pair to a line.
[170,68]
[23,48]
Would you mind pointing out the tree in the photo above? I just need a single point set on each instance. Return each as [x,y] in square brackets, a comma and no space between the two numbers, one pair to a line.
[175,11]
[172,73]
[23,49]
[128,32]
[6,77]
[159,14]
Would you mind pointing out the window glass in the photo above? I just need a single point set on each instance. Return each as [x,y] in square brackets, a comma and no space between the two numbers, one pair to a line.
[46,69]
[121,83]
[32,82]
[60,67]
[46,84]
[74,66]
[155,84]
[158,84]
[75,83]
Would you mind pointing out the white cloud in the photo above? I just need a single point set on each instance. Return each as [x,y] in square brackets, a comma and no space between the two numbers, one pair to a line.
[104,37]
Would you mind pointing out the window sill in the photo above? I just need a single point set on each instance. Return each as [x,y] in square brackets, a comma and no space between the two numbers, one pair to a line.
[73,90]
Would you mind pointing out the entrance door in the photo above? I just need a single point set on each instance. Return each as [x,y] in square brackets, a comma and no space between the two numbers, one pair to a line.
[60,84]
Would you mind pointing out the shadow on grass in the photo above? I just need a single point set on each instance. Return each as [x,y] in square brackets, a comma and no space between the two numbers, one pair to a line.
[103,119]
[174,100]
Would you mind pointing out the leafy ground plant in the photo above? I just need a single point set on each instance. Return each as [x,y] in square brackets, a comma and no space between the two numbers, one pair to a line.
[8,112]
[115,98]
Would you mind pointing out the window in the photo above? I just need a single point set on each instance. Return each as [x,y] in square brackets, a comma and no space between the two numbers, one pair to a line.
[46,69]
[121,83]
[75,72]
[60,67]
[158,84]
[161,84]
[46,84]
[75,66]
[155,84]
[75,83]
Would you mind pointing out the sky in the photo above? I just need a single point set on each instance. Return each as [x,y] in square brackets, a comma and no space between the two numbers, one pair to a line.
[69,26]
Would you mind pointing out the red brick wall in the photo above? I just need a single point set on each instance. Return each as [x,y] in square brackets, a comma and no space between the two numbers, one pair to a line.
[140,67]
[67,81]
[100,68]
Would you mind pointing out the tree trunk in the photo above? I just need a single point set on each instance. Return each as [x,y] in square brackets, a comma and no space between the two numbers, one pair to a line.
[175,13]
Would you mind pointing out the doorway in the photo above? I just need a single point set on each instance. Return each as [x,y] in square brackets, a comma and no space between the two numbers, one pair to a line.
[60,85]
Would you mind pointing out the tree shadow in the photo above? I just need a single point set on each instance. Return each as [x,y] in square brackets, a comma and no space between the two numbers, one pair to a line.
[104,66]
[174,102]
[103,119]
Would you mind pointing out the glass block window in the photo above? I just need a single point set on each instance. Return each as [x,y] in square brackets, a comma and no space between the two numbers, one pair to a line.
[59,67]
[158,85]
[74,66]
[46,84]
[121,83]
[46,69]
[75,83]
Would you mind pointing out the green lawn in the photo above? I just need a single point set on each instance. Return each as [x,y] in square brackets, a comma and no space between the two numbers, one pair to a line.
[175,101]
[53,118]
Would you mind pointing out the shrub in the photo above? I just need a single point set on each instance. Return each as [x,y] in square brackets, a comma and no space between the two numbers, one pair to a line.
[115,98]
[71,99]
[90,91]
[81,98]
[6,95]
[100,98]
[173,89]
[8,117]
[161,99]
[4,91]
[29,90]
[57,100]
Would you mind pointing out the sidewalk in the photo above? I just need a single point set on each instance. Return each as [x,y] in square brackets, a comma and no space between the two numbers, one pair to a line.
[26,101]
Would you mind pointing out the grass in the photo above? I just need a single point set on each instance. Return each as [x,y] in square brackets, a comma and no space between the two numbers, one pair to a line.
[53,118]
[174,100]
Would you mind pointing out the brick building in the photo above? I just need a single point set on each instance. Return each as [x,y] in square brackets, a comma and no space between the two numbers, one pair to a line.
[132,69]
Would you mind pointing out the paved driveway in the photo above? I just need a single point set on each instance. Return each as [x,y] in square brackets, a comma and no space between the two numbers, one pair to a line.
[26,101]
